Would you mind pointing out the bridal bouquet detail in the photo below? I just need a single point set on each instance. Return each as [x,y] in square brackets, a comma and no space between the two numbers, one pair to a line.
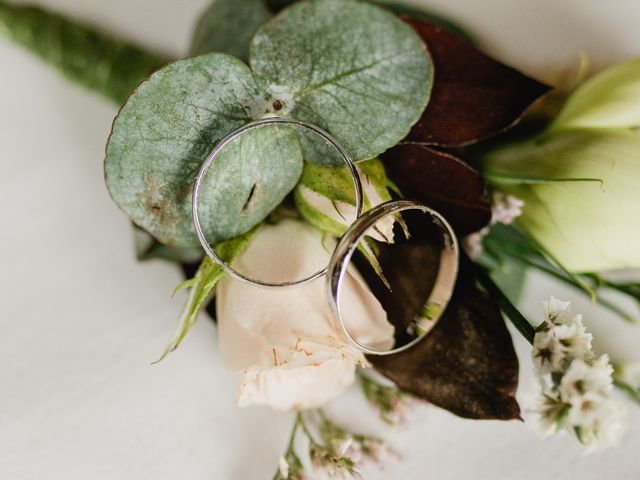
[347,112]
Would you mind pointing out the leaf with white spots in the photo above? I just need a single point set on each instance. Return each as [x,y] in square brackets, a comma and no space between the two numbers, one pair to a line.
[349,67]
[163,134]
[227,26]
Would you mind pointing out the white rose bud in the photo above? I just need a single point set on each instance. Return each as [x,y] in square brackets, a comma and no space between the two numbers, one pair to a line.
[580,193]
[610,99]
[326,198]
[285,344]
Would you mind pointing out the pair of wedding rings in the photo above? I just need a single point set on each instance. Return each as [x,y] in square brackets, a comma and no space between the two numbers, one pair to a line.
[348,244]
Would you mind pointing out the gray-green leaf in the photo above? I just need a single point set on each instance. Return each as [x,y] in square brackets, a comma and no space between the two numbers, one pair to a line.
[148,248]
[163,134]
[349,67]
[249,178]
[227,27]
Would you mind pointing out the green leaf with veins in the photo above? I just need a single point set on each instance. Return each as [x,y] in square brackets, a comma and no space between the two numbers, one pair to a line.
[349,67]
[227,26]
[202,285]
[250,178]
[98,62]
[163,134]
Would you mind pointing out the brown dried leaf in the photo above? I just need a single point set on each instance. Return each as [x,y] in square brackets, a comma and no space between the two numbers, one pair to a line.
[467,364]
[474,97]
[441,181]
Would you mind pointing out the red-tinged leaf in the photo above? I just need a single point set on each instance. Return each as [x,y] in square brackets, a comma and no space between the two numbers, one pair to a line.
[474,97]
[467,363]
[441,181]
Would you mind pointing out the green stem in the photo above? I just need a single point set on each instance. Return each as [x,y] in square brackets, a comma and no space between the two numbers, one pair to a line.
[85,56]
[629,390]
[291,442]
[306,430]
[558,276]
[509,309]
[553,260]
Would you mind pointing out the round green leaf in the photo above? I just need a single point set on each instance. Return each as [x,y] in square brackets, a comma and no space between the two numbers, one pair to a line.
[349,67]
[163,134]
[228,25]
[247,180]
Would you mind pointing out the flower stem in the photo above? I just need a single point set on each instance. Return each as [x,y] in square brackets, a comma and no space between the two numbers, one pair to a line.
[509,309]
[631,392]
[548,270]
[306,430]
[291,442]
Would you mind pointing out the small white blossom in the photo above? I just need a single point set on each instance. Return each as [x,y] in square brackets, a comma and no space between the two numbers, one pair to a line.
[283,467]
[573,339]
[472,244]
[545,414]
[547,353]
[586,379]
[574,386]
[506,208]
[557,312]
[601,422]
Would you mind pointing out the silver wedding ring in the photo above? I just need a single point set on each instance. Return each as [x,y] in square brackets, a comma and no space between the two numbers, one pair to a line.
[348,245]
[441,291]
[210,161]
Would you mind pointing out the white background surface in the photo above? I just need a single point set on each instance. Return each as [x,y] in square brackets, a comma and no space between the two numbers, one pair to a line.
[81,320]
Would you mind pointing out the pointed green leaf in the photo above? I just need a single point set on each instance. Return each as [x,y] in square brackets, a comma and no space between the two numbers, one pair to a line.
[163,134]
[227,26]
[202,285]
[610,99]
[349,67]
[96,61]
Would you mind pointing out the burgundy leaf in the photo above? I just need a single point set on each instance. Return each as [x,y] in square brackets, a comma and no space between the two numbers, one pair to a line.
[441,181]
[474,97]
[467,363]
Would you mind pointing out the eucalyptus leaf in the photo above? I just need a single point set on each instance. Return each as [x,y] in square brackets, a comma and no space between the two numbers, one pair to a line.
[399,8]
[610,99]
[227,26]
[148,248]
[249,178]
[163,134]
[98,62]
[202,285]
[349,67]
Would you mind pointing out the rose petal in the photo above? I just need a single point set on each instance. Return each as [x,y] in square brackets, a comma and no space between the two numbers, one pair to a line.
[286,343]
[474,97]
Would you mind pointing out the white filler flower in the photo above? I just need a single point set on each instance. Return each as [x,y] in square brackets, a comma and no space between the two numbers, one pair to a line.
[574,385]
[504,209]
[285,343]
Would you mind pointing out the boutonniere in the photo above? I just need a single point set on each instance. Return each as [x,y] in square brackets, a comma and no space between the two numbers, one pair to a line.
[398,180]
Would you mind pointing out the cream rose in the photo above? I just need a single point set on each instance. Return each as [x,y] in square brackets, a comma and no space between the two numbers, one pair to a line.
[285,344]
